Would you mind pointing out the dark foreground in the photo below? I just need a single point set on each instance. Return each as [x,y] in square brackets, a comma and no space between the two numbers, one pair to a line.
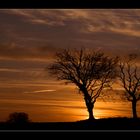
[100,124]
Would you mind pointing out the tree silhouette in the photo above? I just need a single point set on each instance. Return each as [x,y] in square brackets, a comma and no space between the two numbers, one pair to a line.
[130,79]
[18,118]
[90,71]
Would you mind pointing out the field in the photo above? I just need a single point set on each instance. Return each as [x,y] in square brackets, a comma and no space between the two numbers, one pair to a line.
[98,124]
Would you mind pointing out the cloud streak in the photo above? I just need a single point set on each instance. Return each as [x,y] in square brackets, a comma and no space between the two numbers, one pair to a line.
[14,51]
[41,91]
[91,20]
[38,33]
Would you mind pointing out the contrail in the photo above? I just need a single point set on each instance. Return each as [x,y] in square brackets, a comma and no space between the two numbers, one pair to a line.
[40,91]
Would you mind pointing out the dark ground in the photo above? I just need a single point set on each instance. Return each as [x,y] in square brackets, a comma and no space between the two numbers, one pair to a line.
[99,124]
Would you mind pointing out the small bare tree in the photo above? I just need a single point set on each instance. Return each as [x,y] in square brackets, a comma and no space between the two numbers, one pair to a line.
[130,79]
[90,71]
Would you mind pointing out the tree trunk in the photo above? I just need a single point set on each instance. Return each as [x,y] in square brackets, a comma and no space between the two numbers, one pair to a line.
[134,109]
[90,111]
[90,107]
[88,101]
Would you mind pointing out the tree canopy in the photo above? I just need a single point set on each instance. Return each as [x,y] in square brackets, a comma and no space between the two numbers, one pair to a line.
[90,71]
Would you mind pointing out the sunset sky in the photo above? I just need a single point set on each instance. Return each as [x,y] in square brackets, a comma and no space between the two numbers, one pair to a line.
[29,38]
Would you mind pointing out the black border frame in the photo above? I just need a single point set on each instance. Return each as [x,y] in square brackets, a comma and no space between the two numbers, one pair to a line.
[70,4]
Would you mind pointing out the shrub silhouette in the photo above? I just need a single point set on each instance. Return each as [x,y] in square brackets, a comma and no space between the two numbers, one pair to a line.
[18,118]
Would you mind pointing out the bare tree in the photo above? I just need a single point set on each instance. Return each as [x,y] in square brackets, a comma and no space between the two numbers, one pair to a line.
[130,79]
[90,71]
